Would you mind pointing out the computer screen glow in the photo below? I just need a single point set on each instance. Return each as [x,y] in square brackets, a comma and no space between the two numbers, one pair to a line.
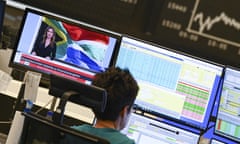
[228,116]
[171,84]
[146,130]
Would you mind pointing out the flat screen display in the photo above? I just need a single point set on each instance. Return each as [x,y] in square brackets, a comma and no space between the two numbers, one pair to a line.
[53,44]
[145,130]
[228,116]
[172,84]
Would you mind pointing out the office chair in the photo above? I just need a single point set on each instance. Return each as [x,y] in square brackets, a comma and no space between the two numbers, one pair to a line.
[79,93]
[37,129]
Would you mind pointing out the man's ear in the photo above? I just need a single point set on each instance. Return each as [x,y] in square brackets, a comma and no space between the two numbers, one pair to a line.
[125,111]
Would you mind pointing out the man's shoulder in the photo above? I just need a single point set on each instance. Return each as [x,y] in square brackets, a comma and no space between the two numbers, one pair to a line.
[112,135]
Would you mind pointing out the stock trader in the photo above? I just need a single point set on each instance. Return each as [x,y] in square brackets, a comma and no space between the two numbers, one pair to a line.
[122,90]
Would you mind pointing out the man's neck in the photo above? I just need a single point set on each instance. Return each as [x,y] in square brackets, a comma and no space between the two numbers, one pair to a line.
[105,124]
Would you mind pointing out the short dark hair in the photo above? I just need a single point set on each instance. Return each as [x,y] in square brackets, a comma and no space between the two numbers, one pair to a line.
[121,89]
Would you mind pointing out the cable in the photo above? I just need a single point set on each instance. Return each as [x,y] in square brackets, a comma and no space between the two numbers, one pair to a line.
[43,107]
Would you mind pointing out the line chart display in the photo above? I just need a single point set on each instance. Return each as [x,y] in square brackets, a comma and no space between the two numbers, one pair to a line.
[210,25]
[208,29]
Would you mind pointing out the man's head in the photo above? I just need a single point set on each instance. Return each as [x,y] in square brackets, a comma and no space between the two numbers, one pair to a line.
[121,89]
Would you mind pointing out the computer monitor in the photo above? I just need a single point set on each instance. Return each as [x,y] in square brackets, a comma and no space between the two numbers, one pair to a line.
[2,10]
[228,116]
[145,130]
[53,44]
[172,84]
[39,130]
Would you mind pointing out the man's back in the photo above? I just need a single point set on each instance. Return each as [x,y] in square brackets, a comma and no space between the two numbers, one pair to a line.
[112,135]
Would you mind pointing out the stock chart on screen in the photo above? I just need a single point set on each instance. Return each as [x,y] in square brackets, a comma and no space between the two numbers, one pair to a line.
[208,29]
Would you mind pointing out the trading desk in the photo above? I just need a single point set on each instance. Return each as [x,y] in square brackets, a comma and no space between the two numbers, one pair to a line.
[9,96]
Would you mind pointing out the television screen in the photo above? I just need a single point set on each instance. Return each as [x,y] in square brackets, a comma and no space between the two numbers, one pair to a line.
[172,84]
[2,10]
[52,44]
[228,116]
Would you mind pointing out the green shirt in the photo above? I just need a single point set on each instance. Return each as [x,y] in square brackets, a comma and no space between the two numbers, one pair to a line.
[112,135]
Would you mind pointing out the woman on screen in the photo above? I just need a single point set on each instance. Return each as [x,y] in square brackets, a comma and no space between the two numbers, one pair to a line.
[47,47]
